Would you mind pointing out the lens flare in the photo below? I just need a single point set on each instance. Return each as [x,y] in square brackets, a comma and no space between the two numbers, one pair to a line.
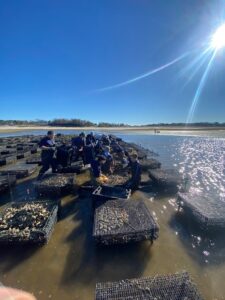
[147,74]
[218,39]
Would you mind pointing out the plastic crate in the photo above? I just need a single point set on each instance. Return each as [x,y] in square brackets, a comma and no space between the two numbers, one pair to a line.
[107,192]
[19,169]
[206,209]
[55,184]
[177,286]
[122,222]
[36,234]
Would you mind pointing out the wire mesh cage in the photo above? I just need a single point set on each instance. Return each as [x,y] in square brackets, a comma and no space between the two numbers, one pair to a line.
[149,163]
[27,222]
[75,167]
[204,207]
[118,179]
[34,159]
[7,159]
[124,221]
[22,154]
[55,184]
[6,182]
[168,180]
[20,169]
[177,286]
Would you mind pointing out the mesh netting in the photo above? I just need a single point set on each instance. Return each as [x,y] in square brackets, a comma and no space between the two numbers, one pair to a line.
[18,169]
[34,159]
[205,208]
[55,184]
[168,179]
[169,287]
[123,221]
[5,160]
[6,182]
[27,222]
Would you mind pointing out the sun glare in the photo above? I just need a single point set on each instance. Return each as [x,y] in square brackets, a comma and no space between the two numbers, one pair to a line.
[218,39]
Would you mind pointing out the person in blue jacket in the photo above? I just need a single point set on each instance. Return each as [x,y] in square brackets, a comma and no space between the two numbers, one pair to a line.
[47,145]
[136,171]
[78,144]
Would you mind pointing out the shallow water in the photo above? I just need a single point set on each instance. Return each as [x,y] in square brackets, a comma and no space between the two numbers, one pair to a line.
[70,265]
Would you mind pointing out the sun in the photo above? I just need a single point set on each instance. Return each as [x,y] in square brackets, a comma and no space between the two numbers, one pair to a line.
[218,39]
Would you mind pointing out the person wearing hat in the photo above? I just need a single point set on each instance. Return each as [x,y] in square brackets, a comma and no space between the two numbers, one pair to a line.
[47,145]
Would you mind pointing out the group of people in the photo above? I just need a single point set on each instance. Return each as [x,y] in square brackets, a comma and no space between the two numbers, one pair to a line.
[93,151]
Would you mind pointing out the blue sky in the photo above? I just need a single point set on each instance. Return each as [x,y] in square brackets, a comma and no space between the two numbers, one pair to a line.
[54,55]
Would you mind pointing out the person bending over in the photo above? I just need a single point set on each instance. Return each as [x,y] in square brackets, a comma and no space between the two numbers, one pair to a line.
[47,145]
[135,166]
[96,166]
[78,144]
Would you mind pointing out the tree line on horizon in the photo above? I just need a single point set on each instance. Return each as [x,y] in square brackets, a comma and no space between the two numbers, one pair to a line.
[85,123]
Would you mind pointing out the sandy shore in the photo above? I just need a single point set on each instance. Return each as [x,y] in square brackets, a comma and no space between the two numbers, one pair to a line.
[8,129]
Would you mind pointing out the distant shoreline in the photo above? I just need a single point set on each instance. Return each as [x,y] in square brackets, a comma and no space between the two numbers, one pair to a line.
[8,129]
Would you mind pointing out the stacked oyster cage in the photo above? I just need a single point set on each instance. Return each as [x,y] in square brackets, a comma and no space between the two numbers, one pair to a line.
[177,286]
[123,221]
[20,170]
[204,208]
[6,182]
[55,184]
[167,180]
[27,222]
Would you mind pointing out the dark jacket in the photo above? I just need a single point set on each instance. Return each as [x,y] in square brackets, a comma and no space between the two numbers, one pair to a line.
[47,153]
[96,168]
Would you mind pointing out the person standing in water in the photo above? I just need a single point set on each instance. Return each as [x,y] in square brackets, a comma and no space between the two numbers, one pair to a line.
[47,145]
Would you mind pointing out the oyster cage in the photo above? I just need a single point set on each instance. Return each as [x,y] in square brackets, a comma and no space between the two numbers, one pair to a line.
[55,184]
[19,169]
[166,179]
[27,222]
[205,208]
[6,182]
[124,221]
[5,160]
[34,159]
[75,167]
[177,286]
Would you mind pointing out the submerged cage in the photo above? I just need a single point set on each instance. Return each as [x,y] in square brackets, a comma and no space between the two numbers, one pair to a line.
[149,163]
[205,209]
[27,222]
[20,170]
[55,184]
[123,221]
[167,180]
[6,182]
[177,286]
